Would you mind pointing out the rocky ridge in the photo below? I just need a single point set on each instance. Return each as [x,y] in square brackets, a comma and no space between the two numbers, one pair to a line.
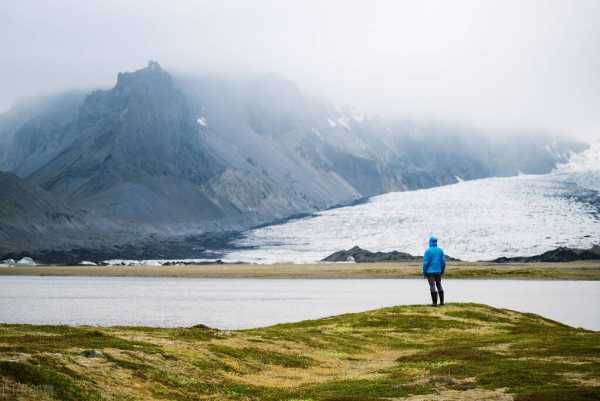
[359,255]
[560,254]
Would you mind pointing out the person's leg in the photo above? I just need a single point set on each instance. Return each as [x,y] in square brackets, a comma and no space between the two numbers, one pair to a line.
[440,290]
[431,281]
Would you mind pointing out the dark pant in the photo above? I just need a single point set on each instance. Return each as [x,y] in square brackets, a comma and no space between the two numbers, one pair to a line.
[435,280]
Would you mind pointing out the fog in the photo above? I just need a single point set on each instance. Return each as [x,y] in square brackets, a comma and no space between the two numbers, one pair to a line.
[500,65]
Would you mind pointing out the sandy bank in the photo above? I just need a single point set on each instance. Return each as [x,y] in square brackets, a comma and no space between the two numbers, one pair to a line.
[567,271]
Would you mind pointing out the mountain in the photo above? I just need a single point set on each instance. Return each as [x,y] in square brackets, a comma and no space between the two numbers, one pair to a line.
[28,214]
[35,125]
[166,157]
[137,156]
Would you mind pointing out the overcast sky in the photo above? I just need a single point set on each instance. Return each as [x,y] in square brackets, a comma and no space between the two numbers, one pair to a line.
[531,65]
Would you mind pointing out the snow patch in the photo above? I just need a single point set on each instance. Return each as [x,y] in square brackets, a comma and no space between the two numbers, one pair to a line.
[344,122]
[202,121]
[332,123]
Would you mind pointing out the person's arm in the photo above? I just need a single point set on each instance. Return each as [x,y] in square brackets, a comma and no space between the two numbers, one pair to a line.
[443,262]
[426,261]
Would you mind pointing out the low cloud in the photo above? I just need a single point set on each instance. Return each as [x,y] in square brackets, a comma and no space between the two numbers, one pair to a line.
[499,65]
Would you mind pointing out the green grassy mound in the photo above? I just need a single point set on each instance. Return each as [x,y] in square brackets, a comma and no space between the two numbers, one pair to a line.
[459,351]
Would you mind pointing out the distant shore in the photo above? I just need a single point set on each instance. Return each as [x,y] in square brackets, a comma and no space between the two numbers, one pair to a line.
[581,270]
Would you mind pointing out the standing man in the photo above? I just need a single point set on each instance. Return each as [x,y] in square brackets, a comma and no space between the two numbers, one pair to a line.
[434,265]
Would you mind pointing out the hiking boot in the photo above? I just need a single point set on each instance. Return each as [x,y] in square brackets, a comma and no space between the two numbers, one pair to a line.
[434,297]
[441,297]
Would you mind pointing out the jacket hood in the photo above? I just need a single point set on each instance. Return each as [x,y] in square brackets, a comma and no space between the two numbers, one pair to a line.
[433,240]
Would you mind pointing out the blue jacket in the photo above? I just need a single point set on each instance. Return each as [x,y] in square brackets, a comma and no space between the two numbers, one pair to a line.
[433,260]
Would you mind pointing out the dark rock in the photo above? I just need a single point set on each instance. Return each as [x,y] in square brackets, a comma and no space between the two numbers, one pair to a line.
[92,353]
[561,254]
[201,326]
[188,247]
[359,255]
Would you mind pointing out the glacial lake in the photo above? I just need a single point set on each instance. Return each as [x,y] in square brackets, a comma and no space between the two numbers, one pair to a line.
[247,303]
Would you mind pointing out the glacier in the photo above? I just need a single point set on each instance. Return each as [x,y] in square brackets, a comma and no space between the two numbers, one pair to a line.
[475,220]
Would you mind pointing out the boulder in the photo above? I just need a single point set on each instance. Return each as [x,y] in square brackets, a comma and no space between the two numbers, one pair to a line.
[92,353]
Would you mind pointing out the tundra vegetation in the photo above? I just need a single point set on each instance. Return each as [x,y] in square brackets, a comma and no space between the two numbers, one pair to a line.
[459,351]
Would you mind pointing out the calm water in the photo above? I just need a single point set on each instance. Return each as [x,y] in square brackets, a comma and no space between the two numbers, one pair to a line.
[245,303]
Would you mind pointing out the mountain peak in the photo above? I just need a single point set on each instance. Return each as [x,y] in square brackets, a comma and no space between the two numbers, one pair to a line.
[152,73]
[153,65]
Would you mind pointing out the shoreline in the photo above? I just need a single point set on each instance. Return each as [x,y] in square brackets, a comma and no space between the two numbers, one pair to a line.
[581,270]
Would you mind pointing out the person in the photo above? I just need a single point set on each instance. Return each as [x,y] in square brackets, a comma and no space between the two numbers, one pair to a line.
[434,266]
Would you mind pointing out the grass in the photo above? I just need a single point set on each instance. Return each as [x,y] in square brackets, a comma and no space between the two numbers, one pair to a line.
[59,385]
[42,338]
[262,356]
[457,351]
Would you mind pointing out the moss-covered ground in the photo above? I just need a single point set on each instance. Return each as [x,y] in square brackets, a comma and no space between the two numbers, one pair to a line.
[459,351]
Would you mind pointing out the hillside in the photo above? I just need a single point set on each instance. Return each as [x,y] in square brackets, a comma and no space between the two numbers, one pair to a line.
[460,351]
[28,213]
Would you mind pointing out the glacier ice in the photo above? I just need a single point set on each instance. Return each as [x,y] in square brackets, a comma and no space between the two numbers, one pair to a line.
[475,220]
[26,261]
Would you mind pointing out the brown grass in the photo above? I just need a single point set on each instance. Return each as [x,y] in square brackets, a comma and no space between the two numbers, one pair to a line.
[585,270]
